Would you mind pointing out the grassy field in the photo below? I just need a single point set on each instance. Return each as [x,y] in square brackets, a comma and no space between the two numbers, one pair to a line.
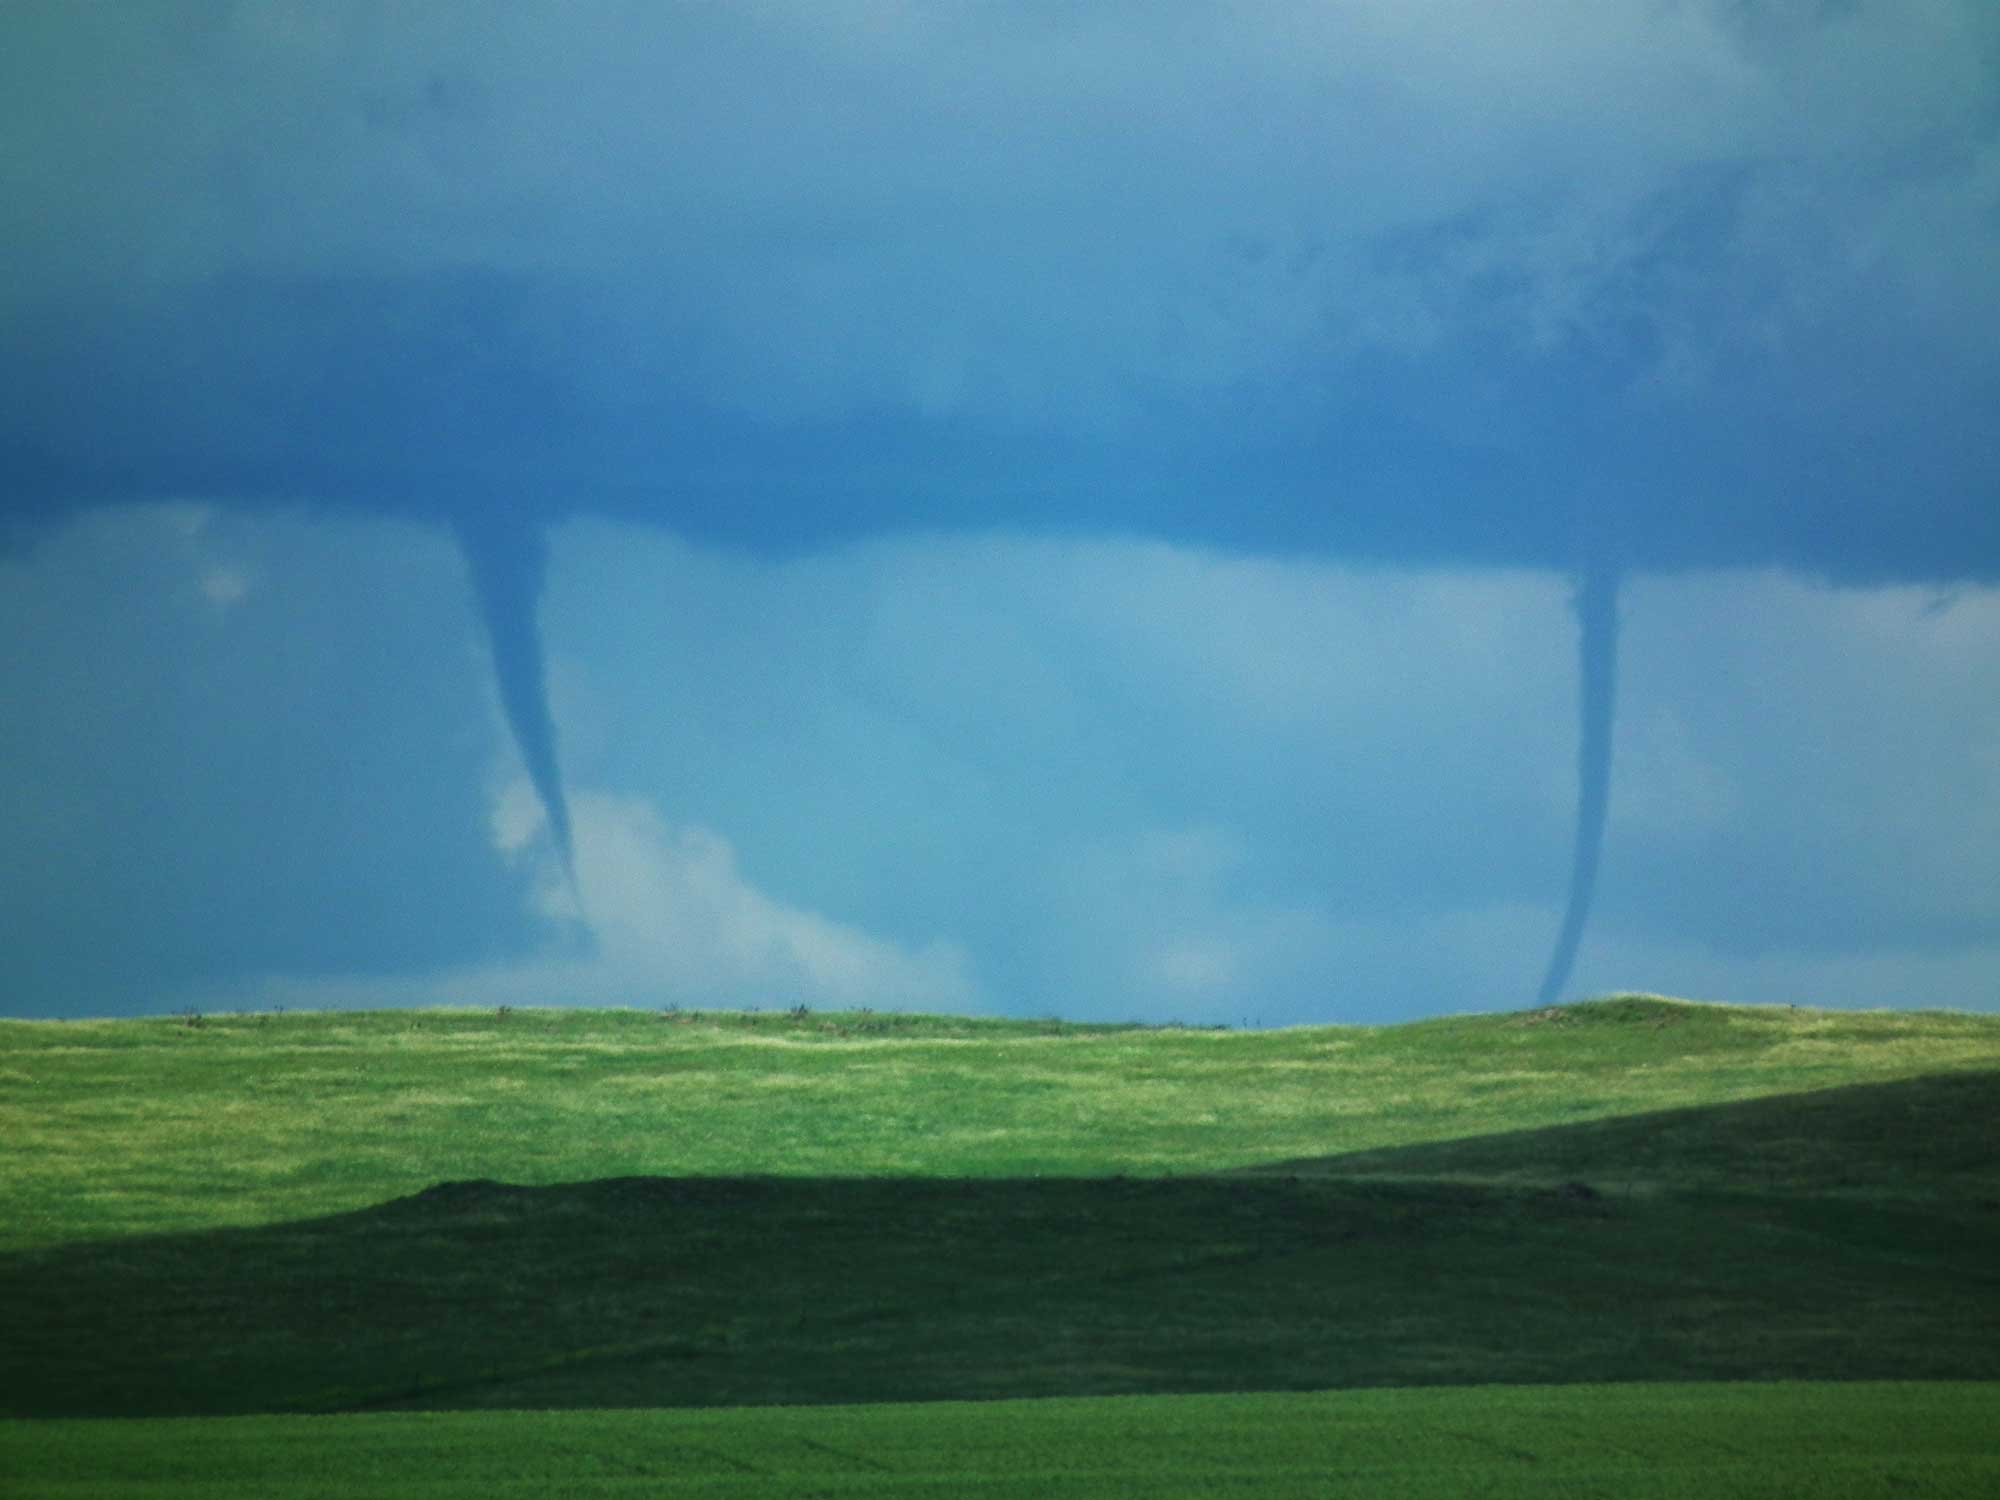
[449,1211]
[118,1128]
[1833,1442]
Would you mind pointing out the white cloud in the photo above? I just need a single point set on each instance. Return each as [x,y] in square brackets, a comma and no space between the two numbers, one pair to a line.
[667,917]
[672,917]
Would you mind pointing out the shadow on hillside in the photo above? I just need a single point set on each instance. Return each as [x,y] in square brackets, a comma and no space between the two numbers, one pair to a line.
[1930,1137]
[754,1291]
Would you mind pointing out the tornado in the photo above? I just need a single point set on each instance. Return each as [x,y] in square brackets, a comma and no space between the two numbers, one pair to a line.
[1597,641]
[507,557]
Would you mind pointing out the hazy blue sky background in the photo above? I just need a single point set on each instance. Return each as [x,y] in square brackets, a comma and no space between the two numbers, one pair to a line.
[1021,508]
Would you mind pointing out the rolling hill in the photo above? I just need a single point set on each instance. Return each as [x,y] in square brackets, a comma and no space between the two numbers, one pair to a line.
[558,1209]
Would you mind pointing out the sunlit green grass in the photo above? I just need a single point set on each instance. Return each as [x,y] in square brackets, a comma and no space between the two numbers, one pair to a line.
[1833,1442]
[131,1127]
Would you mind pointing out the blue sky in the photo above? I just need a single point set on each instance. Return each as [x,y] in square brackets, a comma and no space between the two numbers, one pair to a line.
[1019,509]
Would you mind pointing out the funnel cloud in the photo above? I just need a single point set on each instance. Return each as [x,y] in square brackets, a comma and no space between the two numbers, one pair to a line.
[1597,651]
[508,563]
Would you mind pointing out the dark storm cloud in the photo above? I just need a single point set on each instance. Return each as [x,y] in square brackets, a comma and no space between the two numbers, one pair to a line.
[1427,283]
[1419,282]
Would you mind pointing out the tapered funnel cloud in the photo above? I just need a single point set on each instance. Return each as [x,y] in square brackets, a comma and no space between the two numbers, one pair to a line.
[508,559]
[1597,636]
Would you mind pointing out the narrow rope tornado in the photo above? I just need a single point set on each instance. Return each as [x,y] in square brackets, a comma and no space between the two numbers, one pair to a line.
[508,560]
[1597,640]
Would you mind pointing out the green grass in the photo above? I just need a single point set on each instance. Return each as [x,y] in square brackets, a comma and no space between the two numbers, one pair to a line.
[1718,1441]
[450,1211]
[133,1127]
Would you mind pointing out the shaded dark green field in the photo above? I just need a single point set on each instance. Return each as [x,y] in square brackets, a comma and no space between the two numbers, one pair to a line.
[755,1291]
